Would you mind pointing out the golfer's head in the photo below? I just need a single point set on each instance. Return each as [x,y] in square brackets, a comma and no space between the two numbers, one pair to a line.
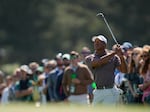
[100,42]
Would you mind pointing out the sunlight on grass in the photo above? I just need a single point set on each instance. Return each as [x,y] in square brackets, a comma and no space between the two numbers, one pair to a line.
[20,107]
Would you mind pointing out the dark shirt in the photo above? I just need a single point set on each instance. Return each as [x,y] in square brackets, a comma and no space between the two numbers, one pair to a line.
[55,85]
[24,85]
[103,75]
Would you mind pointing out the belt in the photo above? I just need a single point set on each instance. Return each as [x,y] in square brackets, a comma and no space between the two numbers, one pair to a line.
[105,87]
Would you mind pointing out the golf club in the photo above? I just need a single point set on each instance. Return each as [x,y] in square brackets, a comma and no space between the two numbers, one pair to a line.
[102,15]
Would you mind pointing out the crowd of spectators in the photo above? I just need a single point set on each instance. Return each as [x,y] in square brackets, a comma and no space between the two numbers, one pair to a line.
[51,81]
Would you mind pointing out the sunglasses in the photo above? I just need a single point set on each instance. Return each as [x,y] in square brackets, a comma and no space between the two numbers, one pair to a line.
[74,57]
[143,56]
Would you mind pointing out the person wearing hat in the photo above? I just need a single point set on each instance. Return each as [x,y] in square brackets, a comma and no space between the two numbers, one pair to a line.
[23,87]
[34,66]
[66,59]
[127,48]
[103,63]
[75,80]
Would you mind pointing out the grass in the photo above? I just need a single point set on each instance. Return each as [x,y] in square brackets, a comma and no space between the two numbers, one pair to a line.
[24,107]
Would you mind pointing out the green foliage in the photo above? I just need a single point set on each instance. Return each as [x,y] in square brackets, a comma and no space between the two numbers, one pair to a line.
[9,68]
[34,29]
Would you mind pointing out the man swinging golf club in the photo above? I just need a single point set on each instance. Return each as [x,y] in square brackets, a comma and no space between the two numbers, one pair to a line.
[103,65]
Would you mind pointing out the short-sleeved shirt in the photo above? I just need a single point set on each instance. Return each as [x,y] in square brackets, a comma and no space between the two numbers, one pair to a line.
[24,85]
[103,75]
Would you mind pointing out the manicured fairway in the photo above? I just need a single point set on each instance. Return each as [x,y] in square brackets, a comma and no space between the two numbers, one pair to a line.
[71,108]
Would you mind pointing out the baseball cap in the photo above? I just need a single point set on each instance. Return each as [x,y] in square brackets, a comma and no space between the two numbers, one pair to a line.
[26,69]
[66,56]
[40,69]
[127,45]
[58,56]
[100,37]
[44,61]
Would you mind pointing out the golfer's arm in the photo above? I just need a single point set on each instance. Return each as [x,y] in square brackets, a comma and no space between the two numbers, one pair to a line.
[123,66]
[103,60]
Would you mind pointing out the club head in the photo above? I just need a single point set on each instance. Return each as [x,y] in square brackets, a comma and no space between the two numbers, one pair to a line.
[100,14]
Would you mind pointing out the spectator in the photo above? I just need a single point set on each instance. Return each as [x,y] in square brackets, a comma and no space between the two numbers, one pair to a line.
[34,66]
[17,73]
[127,48]
[84,53]
[120,80]
[75,80]
[2,84]
[55,80]
[66,59]
[145,72]
[7,92]
[48,67]
[133,76]
[23,87]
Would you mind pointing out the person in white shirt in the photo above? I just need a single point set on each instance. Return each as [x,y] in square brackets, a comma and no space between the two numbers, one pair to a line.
[6,91]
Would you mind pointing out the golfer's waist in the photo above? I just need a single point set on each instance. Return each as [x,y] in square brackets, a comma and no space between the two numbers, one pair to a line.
[105,87]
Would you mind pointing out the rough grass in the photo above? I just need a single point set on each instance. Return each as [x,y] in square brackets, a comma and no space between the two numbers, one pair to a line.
[24,107]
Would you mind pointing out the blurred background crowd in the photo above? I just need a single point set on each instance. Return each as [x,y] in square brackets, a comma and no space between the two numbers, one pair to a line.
[42,81]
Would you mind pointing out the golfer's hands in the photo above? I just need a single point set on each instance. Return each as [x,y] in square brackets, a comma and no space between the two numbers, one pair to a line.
[118,51]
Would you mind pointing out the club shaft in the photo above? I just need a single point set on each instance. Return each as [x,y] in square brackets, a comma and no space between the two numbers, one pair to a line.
[110,30]
[108,27]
